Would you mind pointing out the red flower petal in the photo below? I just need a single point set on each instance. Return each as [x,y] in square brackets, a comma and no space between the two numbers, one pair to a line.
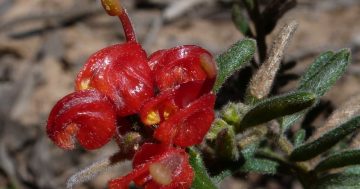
[182,64]
[168,102]
[158,166]
[87,115]
[122,73]
[189,125]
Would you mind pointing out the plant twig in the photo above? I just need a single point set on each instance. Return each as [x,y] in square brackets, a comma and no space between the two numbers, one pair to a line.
[255,15]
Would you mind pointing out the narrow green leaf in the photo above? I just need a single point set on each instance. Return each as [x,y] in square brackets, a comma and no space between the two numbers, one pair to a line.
[341,159]
[329,139]
[287,121]
[202,179]
[320,77]
[218,178]
[240,20]
[315,67]
[339,180]
[226,147]
[353,170]
[276,107]
[256,165]
[233,59]
[299,137]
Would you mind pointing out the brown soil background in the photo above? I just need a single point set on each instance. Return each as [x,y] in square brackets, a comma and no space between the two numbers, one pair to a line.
[43,44]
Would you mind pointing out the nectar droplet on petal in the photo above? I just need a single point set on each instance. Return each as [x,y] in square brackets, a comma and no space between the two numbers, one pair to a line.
[112,7]
[160,173]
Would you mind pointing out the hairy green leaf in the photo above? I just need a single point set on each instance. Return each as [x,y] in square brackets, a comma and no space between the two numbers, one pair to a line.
[341,159]
[226,147]
[240,21]
[217,126]
[218,178]
[353,170]
[320,77]
[321,61]
[230,113]
[339,180]
[202,179]
[299,137]
[258,165]
[276,107]
[233,59]
[329,139]
[233,113]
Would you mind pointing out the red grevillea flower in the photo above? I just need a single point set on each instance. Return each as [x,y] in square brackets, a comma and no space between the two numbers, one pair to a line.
[157,166]
[87,115]
[120,80]
[121,72]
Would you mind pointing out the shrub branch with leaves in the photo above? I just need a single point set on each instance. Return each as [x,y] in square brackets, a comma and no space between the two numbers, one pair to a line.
[159,110]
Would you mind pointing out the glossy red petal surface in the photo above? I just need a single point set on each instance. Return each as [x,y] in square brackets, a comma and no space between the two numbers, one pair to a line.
[182,177]
[123,182]
[122,73]
[87,115]
[168,102]
[174,159]
[147,151]
[163,57]
[182,64]
[188,126]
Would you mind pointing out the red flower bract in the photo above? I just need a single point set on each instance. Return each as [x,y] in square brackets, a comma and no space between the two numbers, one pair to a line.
[87,115]
[122,73]
[157,166]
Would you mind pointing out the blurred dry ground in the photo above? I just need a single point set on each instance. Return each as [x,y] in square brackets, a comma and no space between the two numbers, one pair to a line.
[44,43]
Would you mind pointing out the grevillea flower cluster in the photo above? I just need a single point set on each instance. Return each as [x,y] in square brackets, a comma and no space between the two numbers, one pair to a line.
[168,94]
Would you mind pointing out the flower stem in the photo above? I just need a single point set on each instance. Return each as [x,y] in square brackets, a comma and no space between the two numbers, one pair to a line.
[114,8]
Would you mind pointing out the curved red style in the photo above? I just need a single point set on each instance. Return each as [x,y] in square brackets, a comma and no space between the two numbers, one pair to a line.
[87,115]
[158,167]
[121,72]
